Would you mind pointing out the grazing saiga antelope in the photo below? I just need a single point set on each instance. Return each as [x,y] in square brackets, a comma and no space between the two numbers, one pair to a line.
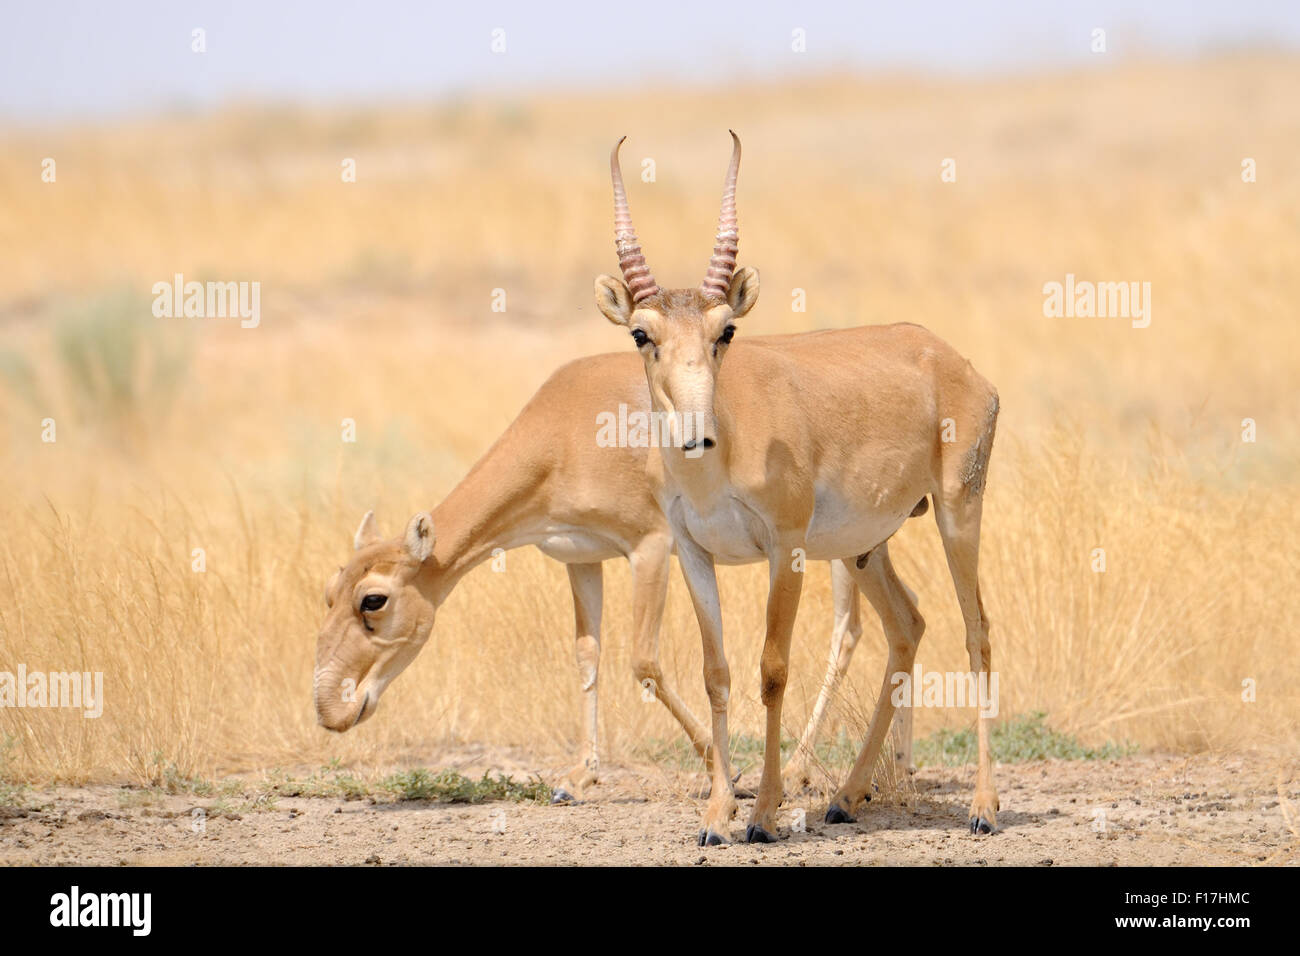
[819,445]
[546,482]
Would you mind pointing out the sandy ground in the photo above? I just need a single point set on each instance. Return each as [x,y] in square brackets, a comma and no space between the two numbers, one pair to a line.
[1145,810]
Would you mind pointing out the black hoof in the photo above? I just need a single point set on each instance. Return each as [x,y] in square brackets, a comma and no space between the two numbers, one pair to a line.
[560,795]
[756,834]
[709,838]
[836,814]
[980,825]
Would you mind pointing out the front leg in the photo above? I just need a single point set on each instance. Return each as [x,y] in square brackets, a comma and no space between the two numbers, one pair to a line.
[782,606]
[649,589]
[702,582]
[586,583]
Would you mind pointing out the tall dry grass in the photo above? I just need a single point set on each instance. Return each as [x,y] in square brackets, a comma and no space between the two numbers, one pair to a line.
[376,307]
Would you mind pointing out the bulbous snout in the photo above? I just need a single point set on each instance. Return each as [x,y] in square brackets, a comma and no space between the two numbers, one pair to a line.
[695,431]
[342,704]
[688,395]
[342,719]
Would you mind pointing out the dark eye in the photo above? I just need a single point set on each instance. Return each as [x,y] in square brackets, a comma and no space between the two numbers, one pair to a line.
[727,335]
[639,337]
[373,602]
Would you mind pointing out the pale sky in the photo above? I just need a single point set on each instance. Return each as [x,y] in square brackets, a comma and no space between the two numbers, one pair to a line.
[64,60]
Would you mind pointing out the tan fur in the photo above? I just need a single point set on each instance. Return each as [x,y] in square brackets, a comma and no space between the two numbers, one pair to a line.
[823,443]
[544,479]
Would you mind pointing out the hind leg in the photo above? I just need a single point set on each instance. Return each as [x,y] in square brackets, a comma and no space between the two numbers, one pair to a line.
[844,638]
[901,733]
[901,738]
[904,627]
[958,516]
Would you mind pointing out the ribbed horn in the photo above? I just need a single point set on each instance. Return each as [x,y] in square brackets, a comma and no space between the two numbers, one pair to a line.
[635,271]
[723,262]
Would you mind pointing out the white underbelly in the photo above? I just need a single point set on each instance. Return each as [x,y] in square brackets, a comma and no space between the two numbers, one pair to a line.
[827,542]
[577,547]
[729,531]
[840,528]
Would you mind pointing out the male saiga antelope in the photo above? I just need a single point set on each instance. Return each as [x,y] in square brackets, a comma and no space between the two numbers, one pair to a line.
[822,443]
[546,482]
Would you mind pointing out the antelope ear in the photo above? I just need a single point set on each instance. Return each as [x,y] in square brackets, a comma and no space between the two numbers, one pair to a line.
[743,292]
[614,299]
[367,533]
[420,537]
[329,588]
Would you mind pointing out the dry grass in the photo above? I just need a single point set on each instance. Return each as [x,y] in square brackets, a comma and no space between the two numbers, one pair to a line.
[375,306]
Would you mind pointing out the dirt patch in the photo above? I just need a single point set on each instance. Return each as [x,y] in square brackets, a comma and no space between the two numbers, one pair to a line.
[1144,810]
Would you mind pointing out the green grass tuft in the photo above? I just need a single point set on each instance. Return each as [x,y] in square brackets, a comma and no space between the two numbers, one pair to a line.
[331,780]
[420,783]
[448,786]
[166,776]
[1015,740]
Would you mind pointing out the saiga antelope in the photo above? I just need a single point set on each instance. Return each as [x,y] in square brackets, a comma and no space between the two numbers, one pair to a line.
[544,482]
[822,444]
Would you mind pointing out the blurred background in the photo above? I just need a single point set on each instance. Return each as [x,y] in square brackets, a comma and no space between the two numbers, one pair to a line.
[213,140]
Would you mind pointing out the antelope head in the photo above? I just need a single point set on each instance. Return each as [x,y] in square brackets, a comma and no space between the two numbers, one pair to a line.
[377,621]
[682,334]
